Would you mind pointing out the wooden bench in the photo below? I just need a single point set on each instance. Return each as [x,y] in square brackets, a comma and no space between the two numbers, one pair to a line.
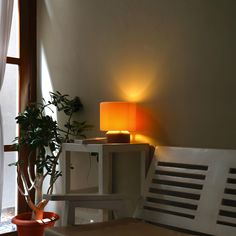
[191,190]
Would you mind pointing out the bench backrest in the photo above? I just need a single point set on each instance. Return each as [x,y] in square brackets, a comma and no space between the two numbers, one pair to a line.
[193,189]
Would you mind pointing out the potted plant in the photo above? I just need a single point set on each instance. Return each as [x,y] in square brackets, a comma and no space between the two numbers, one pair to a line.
[43,138]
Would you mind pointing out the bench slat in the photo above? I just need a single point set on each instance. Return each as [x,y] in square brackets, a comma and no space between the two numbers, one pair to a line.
[172,198]
[170,208]
[180,170]
[178,179]
[175,188]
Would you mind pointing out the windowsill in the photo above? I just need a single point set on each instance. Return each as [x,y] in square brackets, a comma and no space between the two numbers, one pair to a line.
[5,225]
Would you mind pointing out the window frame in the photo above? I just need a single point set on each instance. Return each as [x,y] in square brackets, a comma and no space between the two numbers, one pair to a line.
[27,73]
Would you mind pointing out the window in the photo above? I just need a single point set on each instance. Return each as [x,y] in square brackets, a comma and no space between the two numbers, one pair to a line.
[18,90]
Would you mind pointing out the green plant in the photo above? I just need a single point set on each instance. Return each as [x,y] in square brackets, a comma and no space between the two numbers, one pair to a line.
[41,135]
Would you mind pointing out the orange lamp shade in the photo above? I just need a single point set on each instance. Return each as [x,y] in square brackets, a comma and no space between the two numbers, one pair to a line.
[117,116]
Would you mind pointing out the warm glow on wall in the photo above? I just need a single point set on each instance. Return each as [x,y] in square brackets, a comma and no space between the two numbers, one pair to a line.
[139,138]
[118,117]
[136,84]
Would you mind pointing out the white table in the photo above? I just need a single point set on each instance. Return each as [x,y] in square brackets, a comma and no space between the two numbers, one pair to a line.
[104,152]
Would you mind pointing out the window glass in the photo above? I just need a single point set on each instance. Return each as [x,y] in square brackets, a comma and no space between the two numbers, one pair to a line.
[13,48]
[9,103]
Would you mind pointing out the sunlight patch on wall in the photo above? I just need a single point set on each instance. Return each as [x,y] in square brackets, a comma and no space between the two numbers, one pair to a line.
[49,9]
[46,84]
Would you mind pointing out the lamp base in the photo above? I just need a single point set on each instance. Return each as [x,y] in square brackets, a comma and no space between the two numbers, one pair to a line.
[118,137]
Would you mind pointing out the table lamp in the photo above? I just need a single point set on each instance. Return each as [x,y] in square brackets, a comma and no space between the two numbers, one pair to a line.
[118,119]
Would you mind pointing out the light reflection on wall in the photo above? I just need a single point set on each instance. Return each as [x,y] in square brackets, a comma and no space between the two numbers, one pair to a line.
[46,84]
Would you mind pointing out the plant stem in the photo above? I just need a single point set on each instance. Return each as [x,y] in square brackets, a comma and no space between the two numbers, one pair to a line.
[68,128]
[39,185]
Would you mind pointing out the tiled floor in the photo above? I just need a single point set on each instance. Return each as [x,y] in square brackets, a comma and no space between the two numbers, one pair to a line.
[5,224]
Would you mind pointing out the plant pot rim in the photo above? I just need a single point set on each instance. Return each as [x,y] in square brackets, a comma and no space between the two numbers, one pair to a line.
[24,219]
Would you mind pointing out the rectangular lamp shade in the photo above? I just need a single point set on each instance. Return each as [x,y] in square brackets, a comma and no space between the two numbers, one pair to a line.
[117,116]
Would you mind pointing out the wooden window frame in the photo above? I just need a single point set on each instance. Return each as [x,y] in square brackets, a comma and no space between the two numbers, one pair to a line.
[27,72]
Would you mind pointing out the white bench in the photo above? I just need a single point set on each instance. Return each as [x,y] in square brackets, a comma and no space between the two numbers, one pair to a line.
[187,189]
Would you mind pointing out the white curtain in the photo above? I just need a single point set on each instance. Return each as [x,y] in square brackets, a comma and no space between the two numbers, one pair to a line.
[6,9]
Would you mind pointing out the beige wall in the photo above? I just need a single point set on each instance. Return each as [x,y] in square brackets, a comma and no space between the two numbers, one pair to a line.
[176,58]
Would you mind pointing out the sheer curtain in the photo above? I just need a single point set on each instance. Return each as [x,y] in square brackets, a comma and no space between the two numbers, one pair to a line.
[6,8]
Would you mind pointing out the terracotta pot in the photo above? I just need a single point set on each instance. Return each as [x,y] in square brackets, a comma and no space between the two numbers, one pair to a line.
[28,227]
